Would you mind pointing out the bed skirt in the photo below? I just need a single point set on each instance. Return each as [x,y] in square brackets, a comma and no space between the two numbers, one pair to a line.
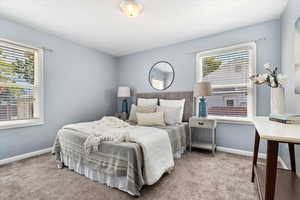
[179,153]
[98,176]
[94,174]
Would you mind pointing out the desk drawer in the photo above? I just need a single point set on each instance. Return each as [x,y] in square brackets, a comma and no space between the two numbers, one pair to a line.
[202,124]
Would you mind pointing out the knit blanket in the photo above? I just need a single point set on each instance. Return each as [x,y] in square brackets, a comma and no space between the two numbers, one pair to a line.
[106,129]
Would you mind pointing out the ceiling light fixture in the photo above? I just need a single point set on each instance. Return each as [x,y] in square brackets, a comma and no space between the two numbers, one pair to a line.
[131,8]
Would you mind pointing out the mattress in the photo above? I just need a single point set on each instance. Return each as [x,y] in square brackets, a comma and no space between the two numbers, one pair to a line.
[116,165]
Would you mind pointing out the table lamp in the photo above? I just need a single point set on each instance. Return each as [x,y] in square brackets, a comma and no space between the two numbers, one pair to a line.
[202,90]
[124,92]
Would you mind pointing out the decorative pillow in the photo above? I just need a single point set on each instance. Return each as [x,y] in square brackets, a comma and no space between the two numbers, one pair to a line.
[140,109]
[173,104]
[147,102]
[171,115]
[132,115]
[150,119]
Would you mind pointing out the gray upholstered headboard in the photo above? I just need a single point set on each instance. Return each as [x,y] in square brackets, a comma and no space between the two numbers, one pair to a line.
[188,96]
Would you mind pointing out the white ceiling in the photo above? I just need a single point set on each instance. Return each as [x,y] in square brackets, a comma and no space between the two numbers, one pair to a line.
[99,24]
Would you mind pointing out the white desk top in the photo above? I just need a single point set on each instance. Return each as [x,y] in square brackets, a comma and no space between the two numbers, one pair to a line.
[276,131]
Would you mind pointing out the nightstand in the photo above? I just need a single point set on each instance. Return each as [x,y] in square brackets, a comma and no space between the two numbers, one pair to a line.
[207,123]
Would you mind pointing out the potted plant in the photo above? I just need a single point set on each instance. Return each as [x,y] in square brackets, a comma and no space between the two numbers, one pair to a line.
[274,80]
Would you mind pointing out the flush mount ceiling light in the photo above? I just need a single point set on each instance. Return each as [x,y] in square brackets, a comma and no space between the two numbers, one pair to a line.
[131,8]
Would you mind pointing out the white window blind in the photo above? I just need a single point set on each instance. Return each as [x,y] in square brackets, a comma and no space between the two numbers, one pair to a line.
[228,71]
[20,82]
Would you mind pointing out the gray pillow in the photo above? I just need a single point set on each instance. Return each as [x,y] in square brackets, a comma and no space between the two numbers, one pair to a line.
[140,109]
[150,119]
[171,115]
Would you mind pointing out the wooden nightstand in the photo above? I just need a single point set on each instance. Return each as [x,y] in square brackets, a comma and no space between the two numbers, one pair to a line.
[197,122]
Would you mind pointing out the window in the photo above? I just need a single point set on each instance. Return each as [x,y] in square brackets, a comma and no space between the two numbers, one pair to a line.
[20,85]
[228,70]
[158,84]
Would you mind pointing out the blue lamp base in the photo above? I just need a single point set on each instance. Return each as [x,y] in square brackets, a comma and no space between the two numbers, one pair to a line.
[202,108]
[125,106]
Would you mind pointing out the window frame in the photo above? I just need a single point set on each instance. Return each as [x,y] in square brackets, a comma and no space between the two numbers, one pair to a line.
[251,89]
[38,83]
[161,82]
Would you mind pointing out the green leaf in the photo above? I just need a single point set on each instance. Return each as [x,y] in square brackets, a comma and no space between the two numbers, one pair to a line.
[210,65]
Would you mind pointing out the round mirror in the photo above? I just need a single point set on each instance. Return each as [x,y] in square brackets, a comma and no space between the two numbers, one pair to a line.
[161,75]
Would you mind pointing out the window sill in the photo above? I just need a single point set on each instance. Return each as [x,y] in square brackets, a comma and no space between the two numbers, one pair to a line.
[21,123]
[232,120]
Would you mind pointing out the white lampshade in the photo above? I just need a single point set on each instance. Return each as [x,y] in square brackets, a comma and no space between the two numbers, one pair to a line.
[202,89]
[123,92]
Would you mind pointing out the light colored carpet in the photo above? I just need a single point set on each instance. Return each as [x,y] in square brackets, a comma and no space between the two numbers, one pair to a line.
[197,176]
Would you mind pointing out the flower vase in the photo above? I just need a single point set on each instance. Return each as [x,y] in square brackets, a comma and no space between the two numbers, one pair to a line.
[277,100]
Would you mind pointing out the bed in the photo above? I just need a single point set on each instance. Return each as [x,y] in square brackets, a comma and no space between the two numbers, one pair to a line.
[119,165]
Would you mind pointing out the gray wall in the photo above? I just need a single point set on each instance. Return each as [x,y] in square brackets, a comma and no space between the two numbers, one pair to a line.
[292,100]
[133,71]
[79,84]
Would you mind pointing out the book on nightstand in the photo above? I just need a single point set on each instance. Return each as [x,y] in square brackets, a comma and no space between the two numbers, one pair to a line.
[285,118]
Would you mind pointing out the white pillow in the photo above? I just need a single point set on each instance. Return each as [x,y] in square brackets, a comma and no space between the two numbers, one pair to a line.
[150,119]
[173,104]
[171,115]
[147,102]
[132,115]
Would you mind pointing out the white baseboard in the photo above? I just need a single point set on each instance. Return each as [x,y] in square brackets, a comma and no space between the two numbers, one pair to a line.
[249,153]
[240,152]
[24,156]
[219,148]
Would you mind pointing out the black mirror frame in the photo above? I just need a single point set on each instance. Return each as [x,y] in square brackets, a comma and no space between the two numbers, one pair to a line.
[149,78]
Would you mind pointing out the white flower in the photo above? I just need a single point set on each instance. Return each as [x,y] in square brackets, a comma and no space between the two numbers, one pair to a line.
[272,82]
[265,76]
[282,79]
[268,66]
[253,78]
[261,78]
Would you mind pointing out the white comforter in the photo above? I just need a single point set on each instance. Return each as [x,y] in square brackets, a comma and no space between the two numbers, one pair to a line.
[157,151]
[155,143]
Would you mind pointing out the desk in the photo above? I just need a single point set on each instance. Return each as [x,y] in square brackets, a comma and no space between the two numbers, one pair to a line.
[273,183]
